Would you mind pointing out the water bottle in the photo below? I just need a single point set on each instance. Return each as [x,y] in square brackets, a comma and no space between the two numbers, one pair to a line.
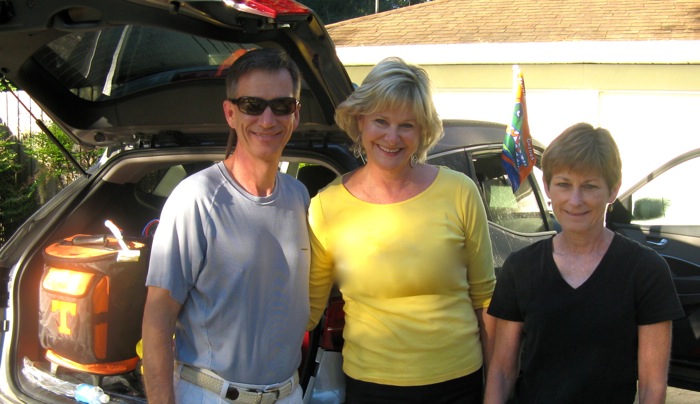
[87,393]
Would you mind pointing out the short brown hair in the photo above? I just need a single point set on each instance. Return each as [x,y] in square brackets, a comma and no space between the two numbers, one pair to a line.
[583,148]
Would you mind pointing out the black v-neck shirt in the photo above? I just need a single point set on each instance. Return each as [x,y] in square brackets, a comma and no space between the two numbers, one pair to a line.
[580,344]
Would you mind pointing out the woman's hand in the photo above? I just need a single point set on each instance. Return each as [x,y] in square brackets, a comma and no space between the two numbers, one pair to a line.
[503,370]
[652,357]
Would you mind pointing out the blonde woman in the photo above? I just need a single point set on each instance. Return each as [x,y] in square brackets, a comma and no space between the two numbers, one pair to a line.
[408,244]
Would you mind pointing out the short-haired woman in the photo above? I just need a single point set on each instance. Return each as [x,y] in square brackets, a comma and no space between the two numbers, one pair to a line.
[591,308]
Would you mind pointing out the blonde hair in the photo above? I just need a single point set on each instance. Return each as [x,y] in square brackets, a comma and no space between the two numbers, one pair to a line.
[392,84]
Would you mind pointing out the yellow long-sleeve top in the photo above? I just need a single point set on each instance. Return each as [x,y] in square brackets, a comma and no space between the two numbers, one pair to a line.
[411,273]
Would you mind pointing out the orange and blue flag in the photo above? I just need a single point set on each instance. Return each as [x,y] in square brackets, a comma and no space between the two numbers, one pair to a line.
[518,155]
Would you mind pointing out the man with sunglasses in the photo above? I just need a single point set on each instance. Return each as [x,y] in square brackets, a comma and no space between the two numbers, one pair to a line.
[230,258]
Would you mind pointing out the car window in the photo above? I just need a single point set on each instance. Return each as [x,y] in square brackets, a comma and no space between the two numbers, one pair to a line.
[162,181]
[313,175]
[119,61]
[519,212]
[456,160]
[666,199]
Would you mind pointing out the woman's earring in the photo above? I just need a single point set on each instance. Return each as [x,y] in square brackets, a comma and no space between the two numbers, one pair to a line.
[357,151]
[357,147]
[414,160]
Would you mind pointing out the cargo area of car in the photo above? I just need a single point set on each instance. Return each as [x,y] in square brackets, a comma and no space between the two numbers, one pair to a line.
[131,194]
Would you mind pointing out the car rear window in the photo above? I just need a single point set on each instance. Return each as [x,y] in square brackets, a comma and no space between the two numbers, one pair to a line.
[119,61]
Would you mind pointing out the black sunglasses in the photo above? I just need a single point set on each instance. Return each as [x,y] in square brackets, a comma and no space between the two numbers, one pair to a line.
[256,106]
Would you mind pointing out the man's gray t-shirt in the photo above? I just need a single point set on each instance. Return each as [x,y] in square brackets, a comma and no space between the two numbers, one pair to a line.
[239,264]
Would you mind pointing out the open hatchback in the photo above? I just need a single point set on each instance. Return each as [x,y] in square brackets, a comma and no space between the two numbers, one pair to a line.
[143,80]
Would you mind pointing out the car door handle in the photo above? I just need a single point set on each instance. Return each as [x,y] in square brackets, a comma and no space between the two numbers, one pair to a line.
[662,242]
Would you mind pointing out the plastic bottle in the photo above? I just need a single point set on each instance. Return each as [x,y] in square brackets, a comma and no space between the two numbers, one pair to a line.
[87,393]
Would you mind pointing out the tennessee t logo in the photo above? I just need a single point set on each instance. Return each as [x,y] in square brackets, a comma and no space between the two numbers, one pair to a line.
[64,308]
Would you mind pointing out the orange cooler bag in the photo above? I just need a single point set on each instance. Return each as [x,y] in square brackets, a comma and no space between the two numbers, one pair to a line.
[92,299]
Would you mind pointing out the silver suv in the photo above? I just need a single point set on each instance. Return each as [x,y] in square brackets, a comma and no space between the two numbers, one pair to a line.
[144,79]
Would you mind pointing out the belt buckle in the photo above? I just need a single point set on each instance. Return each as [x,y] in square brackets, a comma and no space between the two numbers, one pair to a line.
[259,397]
[268,396]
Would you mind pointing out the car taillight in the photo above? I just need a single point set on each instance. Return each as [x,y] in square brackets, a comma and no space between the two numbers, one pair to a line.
[269,8]
[332,339]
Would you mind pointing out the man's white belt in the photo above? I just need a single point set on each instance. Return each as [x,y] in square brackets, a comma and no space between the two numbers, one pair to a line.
[236,394]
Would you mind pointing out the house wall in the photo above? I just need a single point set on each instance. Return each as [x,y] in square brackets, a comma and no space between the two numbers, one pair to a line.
[13,114]
[650,109]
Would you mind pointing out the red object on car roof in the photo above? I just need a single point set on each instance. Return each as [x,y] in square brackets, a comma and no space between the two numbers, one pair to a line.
[269,8]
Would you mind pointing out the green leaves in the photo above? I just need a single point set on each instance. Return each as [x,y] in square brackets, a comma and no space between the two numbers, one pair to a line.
[32,172]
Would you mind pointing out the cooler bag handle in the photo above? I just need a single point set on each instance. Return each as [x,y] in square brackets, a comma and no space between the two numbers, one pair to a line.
[82,240]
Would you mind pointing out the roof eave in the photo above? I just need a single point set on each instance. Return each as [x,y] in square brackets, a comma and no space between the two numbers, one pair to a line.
[607,52]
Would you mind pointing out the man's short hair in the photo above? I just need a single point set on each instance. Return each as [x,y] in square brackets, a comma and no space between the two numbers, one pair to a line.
[267,59]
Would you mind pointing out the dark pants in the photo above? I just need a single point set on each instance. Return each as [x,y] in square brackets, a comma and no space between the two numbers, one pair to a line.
[466,390]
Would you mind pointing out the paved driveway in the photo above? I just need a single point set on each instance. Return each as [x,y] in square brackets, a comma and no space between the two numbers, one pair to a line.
[680,396]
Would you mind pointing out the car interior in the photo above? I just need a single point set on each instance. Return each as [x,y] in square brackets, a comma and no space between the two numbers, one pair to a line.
[132,200]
